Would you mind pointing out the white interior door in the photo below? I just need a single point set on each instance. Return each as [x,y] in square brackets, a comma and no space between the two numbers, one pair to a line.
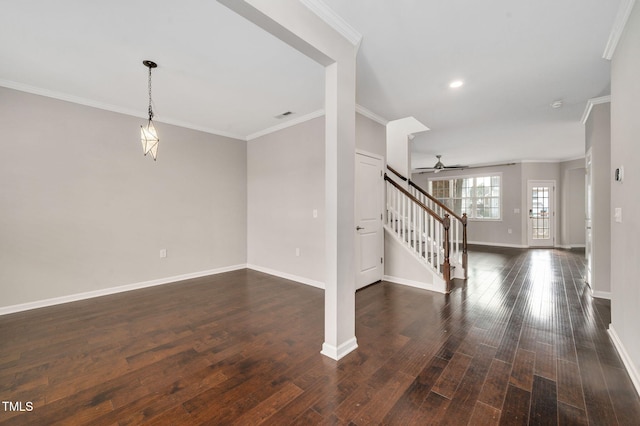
[541,204]
[588,212]
[369,208]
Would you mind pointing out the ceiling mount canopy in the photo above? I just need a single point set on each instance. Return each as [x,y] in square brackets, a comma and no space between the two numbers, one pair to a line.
[148,134]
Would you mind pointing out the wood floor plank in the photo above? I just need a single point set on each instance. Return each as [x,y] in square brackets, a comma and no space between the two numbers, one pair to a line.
[571,416]
[484,414]
[516,407]
[522,372]
[570,384]
[495,386]
[450,378]
[544,402]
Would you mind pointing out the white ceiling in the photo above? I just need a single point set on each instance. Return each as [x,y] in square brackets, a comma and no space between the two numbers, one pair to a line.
[219,73]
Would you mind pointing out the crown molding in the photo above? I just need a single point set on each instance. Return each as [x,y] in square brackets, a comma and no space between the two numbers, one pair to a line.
[624,11]
[371,115]
[334,20]
[112,108]
[590,103]
[289,123]
[315,114]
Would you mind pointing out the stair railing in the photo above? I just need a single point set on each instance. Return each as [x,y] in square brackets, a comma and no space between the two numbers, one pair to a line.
[420,228]
[459,223]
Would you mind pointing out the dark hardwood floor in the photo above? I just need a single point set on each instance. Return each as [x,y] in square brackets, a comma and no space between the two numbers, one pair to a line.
[521,342]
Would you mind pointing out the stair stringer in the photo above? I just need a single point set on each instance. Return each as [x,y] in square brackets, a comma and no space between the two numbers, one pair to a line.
[404,266]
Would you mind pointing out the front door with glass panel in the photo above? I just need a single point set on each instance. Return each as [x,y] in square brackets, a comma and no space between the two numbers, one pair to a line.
[541,205]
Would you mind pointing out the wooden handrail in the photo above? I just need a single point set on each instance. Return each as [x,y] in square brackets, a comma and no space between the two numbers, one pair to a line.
[435,215]
[435,200]
[395,172]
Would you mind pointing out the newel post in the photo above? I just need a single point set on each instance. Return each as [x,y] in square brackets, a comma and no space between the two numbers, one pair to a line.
[446,266]
[464,245]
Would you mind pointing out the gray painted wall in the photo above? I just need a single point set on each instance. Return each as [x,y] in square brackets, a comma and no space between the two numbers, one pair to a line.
[572,199]
[598,138]
[625,150]
[492,232]
[514,202]
[285,178]
[81,209]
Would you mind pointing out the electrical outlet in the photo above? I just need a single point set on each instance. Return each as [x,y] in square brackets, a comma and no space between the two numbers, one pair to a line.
[163,253]
[510,231]
[315,213]
[297,252]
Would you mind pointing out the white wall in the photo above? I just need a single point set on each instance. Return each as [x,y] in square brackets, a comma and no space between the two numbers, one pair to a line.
[514,202]
[491,232]
[398,149]
[598,138]
[285,178]
[82,210]
[625,150]
[370,136]
[572,199]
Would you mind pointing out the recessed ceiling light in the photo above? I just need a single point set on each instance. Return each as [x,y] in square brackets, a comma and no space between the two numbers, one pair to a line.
[455,84]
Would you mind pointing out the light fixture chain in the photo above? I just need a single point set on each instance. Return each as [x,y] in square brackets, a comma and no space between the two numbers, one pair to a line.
[150,110]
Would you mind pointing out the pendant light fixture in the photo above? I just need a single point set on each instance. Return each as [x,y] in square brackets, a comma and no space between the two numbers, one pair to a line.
[148,134]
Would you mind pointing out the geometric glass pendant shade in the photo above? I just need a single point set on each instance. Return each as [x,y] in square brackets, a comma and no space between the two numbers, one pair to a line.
[148,134]
[149,138]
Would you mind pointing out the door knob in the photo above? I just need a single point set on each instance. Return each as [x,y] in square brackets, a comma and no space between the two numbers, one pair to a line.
[359,228]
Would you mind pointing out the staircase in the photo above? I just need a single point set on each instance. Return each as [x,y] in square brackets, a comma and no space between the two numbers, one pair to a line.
[434,234]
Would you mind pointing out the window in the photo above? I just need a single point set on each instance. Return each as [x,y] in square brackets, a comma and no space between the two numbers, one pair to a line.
[477,196]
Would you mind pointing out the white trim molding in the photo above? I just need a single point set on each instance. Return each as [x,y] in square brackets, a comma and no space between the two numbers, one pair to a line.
[315,114]
[288,123]
[600,294]
[371,115]
[337,352]
[416,284]
[112,108]
[624,11]
[626,358]
[113,290]
[287,276]
[590,104]
[483,243]
[334,20]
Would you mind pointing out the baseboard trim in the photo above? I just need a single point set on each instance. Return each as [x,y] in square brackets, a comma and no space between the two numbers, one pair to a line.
[626,359]
[416,284]
[601,294]
[5,310]
[287,276]
[571,246]
[337,352]
[480,243]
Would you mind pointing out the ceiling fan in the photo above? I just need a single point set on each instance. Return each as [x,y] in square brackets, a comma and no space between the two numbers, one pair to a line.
[439,166]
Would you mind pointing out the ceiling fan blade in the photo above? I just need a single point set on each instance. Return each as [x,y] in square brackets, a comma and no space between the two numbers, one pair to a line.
[491,165]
